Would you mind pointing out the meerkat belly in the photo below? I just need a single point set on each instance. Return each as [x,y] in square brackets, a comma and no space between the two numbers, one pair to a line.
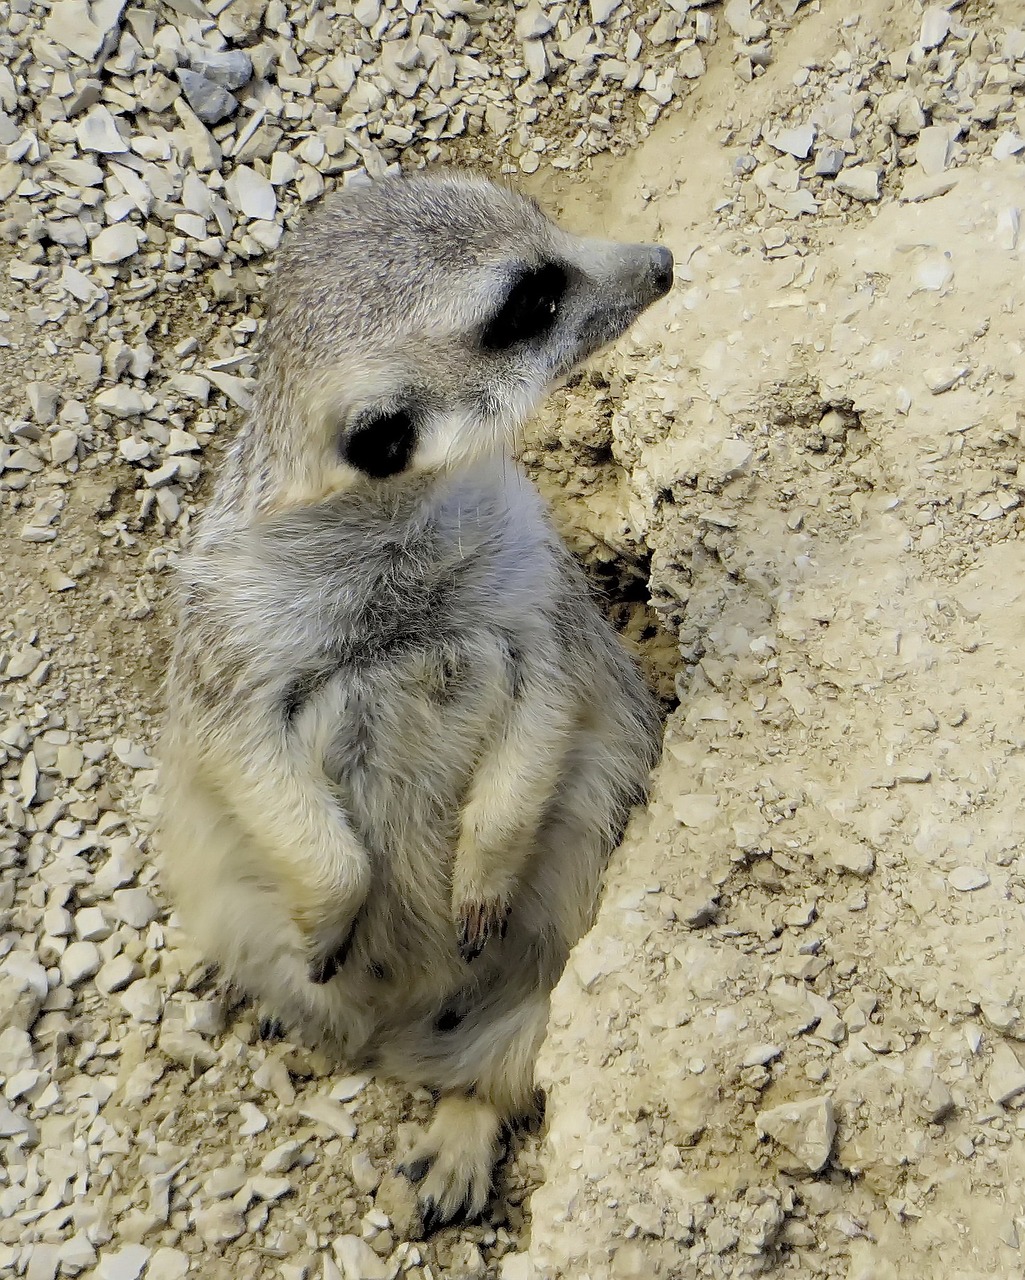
[404,738]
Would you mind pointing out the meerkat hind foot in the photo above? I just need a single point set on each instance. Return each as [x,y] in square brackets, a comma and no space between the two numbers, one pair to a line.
[452,1164]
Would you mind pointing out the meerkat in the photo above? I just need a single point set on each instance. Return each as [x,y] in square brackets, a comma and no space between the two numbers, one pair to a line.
[402,740]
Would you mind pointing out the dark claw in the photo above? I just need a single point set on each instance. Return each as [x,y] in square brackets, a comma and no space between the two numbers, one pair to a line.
[431,1218]
[478,921]
[270,1029]
[324,970]
[417,1171]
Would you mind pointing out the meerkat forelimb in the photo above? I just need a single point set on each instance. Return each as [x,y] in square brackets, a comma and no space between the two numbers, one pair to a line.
[402,741]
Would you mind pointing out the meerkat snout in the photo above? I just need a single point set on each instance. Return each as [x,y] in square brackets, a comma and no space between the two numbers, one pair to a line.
[424,318]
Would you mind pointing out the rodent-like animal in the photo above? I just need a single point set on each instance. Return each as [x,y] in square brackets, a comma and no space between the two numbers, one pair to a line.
[402,740]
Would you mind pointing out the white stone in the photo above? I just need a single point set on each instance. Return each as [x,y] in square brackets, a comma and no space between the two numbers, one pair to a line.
[331,1115]
[794,142]
[116,974]
[602,10]
[79,961]
[143,1000]
[125,1263]
[135,907]
[219,1223]
[1005,1079]
[861,182]
[253,1120]
[357,1260]
[83,28]
[98,131]
[167,1264]
[250,193]
[805,1131]
[932,150]
[121,402]
[965,879]
[936,23]
[115,244]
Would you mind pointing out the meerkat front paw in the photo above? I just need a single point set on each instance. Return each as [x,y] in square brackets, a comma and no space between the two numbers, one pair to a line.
[477,920]
[328,957]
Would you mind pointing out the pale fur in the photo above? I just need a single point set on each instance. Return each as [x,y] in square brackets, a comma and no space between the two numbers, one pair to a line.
[393,705]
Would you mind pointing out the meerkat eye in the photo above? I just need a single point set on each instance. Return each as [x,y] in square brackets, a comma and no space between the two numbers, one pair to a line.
[381,443]
[529,310]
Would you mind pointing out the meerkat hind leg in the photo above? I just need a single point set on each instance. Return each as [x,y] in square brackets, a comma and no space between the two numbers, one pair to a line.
[452,1164]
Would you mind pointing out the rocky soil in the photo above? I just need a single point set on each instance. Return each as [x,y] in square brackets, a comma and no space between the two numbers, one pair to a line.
[793,1043]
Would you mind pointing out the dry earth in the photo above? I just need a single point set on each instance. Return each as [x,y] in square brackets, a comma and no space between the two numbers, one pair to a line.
[793,1042]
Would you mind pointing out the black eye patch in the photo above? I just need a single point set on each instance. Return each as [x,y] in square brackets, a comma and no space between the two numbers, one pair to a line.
[529,309]
[381,444]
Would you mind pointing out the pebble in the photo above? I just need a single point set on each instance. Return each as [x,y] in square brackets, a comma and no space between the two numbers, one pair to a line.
[795,142]
[230,68]
[861,182]
[115,244]
[357,1261]
[80,960]
[167,1264]
[933,150]
[251,194]
[209,100]
[98,131]
[135,907]
[330,1114]
[805,1131]
[126,1263]
[966,879]
[1005,1079]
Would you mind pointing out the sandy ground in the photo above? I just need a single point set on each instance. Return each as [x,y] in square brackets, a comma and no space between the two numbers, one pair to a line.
[793,1042]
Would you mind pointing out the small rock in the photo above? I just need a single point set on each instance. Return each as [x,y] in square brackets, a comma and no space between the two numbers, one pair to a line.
[828,162]
[80,961]
[331,1115]
[253,1120]
[1005,1079]
[135,907]
[793,142]
[168,1264]
[251,194]
[123,1264]
[936,23]
[220,1223]
[805,1131]
[284,1157]
[98,131]
[860,182]
[364,1173]
[933,150]
[230,68]
[143,1000]
[965,879]
[116,974]
[210,101]
[942,378]
[115,244]
[357,1260]
[43,399]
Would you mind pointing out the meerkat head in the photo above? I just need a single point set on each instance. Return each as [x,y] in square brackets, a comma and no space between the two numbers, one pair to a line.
[416,322]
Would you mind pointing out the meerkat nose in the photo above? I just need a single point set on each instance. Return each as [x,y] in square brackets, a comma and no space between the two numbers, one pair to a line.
[661,268]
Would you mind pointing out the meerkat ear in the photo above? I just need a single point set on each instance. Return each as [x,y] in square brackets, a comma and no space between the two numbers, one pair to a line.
[381,444]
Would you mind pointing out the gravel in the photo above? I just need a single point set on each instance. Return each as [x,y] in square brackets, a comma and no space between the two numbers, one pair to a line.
[789,1045]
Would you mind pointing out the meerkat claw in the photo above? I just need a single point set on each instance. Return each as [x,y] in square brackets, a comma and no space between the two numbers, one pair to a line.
[324,969]
[477,922]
